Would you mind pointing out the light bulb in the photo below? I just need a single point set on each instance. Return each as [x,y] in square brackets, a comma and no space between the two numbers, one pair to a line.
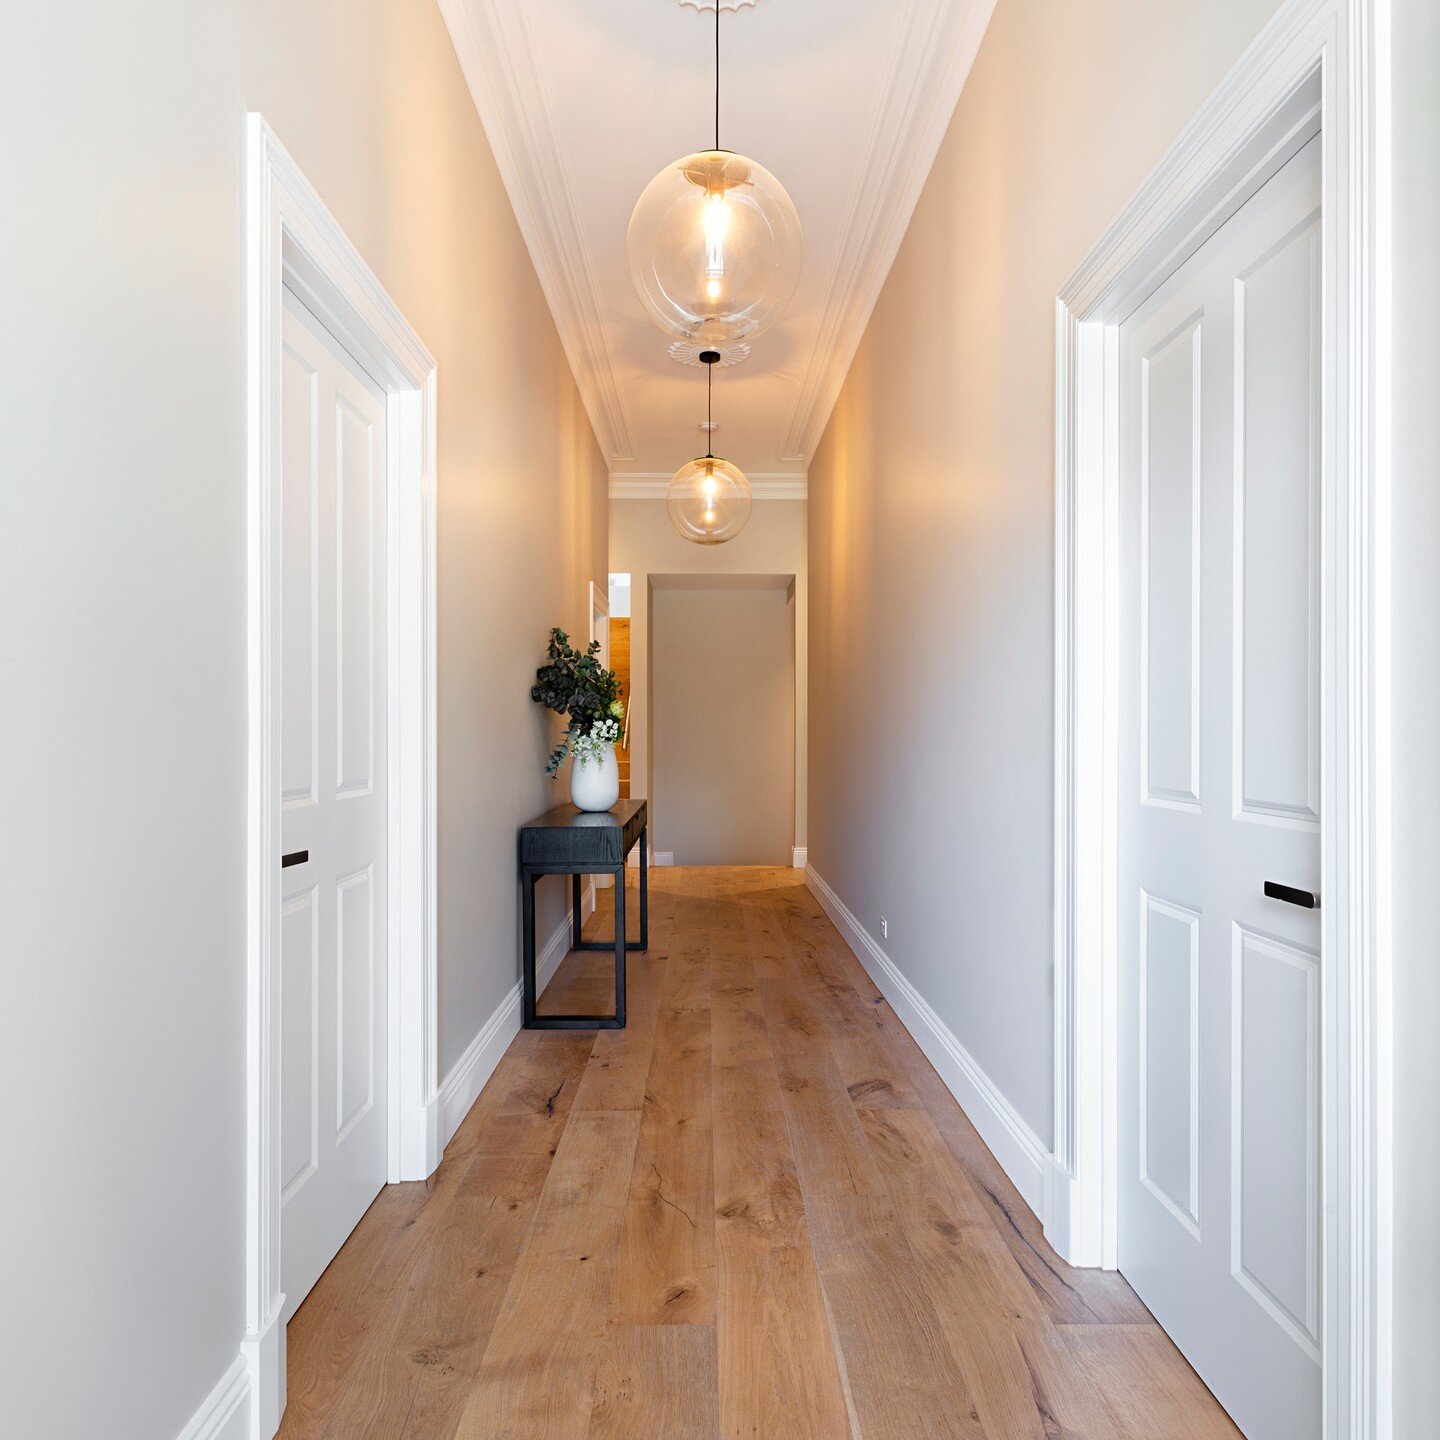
[710,488]
[709,517]
[716,219]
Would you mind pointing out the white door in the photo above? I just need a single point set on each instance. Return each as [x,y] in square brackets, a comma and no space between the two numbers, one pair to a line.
[332,776]
[1219,1223]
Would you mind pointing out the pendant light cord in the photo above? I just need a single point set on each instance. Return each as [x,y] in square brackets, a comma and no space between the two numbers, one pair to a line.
[709,414]
[717,74]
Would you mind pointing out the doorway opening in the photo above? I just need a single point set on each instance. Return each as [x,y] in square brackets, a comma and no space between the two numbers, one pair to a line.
[723,716]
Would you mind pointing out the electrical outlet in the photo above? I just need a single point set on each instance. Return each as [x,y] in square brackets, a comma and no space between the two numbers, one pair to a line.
[884,928]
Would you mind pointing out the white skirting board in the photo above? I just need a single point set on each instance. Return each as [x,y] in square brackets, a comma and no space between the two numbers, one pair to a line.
[462,1086]
[1019,1151]
[225,1412]
[799,857]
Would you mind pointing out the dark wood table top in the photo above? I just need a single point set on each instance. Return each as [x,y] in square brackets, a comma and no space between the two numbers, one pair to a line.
[567,836]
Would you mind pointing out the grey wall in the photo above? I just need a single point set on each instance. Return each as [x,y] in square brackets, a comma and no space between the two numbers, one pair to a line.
[723,681]
[122,584]
[1416,410]
[932,516]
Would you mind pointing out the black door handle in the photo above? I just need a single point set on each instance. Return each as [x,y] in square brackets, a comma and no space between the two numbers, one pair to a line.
[1306,899]
[295,857]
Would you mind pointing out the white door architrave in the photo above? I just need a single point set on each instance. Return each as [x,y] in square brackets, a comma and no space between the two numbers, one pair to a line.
[600,620]
[293,240]
[1319,67]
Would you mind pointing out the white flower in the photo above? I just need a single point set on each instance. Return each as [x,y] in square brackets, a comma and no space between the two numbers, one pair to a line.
[592,747]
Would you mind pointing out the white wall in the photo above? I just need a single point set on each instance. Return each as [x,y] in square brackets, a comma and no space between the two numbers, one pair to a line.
[643,542]
[122,585]
[723,716]
[1416,410]
[932,519]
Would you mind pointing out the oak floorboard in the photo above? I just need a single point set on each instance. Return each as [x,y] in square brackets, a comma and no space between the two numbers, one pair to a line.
[847,1005]
[619,1062]
[536,1380]
[431,1341]
[830,1147]
[350,1300]
[904,1380]
[778,1374]
[979,1295]
[757,1212]
[1147,1384]
[666,1271]
[656,1381]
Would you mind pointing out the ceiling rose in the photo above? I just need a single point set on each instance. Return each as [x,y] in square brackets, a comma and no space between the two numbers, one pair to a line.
[710,4]
[687,352]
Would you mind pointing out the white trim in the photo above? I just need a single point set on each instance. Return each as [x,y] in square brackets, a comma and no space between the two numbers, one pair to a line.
[1020,1153]
[599,610]
[224,1413]
[462,1086]
[1319,65]
[600,614]
[652,485]
[661,857]
[292,239]
[799,857]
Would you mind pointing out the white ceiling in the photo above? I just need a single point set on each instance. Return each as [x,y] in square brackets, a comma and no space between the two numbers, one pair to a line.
[584,101]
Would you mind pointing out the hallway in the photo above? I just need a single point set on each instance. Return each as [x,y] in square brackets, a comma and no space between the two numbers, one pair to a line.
[756,1210]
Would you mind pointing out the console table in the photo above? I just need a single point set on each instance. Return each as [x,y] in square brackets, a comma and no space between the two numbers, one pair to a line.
[567,841]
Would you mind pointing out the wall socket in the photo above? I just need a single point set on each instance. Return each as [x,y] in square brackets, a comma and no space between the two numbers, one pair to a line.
[884,928]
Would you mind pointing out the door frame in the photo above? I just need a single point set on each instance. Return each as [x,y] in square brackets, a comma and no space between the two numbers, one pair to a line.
[293,239]
[600,620]
[1320,66]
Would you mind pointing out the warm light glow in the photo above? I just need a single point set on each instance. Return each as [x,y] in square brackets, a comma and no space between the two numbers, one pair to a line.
[716,219]
[714,248]
[708,500]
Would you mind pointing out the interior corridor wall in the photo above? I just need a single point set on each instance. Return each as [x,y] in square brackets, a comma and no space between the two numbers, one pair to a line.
[122,584]
[932,514]
[723,680]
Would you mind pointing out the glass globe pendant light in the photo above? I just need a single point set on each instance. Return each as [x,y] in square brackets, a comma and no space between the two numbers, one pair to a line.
[714,243]
[708,501]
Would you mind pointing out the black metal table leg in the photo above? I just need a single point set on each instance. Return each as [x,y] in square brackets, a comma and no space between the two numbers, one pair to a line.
[575,916]
[644,892]
[527,946]
[620,945]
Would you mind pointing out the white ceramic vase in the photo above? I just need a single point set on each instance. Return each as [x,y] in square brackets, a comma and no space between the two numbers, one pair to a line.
[595,784]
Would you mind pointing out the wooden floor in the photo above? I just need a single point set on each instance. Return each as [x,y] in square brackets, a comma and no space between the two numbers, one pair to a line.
[755,1212]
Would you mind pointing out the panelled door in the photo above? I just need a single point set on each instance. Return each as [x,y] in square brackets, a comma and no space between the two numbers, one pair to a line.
[333,818]
[1219,1224]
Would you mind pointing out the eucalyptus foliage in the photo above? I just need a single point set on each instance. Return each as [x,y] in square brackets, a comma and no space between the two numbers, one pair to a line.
[577,686]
